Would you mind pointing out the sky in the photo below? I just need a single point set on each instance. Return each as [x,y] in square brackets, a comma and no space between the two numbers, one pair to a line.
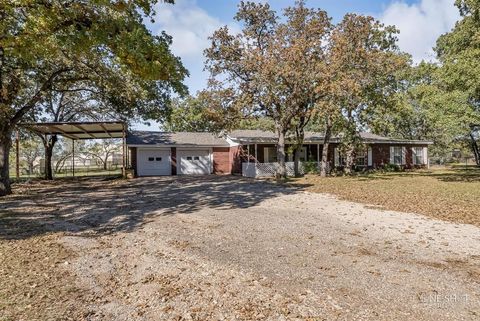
[191,22]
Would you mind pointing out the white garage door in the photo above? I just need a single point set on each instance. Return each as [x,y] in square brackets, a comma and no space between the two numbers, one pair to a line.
[194,161]
[153,162]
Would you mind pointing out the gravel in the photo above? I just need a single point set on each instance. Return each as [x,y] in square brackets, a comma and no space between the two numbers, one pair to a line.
[228,248]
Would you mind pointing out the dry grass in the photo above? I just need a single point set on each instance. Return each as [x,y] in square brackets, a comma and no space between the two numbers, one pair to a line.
[447,194]
[34,280]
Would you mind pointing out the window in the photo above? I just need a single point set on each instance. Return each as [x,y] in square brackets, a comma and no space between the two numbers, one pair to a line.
[158,159]
[189,157]
[397,155]
[151,159]
[196,158]
[417,155]
[360,160]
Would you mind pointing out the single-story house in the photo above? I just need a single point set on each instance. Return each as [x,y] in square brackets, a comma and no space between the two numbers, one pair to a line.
[253,152]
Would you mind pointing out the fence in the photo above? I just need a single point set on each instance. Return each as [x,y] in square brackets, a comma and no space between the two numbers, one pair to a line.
[269,169]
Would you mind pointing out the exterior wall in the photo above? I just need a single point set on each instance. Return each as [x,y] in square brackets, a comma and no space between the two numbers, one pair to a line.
[381,155]
[133,159]
[222,163]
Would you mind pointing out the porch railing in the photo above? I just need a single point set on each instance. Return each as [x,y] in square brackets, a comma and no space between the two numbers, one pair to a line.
[269,169]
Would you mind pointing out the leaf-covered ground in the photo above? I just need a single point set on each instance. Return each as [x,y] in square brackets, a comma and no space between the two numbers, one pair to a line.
[448,194]
[34,280]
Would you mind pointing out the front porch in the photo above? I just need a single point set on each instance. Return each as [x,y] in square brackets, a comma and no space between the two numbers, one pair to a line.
[260,160]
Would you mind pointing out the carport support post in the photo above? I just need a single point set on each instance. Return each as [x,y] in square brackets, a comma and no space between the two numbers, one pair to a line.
[73,157]
[124,154]
[17,155]
[256,161]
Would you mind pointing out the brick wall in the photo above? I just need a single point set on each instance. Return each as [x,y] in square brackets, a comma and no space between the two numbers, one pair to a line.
[222,160]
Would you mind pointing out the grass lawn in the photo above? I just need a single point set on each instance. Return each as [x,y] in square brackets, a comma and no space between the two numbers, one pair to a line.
[449,194]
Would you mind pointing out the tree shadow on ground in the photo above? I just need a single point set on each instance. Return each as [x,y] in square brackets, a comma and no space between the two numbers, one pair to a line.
[101,206]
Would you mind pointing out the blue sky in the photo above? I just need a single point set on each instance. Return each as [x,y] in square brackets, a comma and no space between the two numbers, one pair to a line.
[190,22]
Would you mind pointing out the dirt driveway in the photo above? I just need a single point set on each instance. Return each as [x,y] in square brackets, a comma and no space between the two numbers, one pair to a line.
[223,248]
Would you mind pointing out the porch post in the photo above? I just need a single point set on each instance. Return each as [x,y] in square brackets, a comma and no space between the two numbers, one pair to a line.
[318,155]
[248,153]
[256,159]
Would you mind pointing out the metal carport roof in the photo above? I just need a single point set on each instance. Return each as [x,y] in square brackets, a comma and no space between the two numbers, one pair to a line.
[80,130]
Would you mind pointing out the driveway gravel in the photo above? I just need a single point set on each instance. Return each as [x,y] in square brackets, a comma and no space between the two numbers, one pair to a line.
[229,248]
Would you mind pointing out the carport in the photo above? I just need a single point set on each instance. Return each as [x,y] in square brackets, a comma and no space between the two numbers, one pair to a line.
[78,131]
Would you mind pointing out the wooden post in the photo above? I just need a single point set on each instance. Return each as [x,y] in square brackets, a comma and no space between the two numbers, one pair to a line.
[248,153]
[256,159]
[318,156]
[73,157]
[17,157]
[124,169]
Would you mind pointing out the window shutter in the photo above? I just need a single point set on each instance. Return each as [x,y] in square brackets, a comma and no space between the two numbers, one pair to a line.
[425,156]
[336,157]
[404,155]
[392,153]
[414,155]
[370,156]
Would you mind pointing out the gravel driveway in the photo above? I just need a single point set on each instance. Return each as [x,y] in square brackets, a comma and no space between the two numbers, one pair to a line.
[227,248]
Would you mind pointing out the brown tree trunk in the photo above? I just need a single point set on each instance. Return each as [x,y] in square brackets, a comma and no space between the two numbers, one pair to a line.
[281,172]
[324,170]
[49,144]
[5,144]
[296,160]
[349,159]
[475,148]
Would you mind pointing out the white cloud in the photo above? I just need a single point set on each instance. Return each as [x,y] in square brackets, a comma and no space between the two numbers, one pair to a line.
[421,24]
[189,25]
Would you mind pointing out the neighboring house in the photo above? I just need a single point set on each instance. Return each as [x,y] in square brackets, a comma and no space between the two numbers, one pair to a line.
[253,153]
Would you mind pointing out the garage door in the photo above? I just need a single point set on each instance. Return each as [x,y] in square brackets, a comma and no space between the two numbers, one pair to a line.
[153,162]
[194,161]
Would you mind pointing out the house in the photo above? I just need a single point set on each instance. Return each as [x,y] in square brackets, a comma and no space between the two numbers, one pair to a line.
[253,152]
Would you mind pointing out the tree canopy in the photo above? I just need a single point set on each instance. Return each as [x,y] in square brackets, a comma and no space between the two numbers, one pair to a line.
[100,46]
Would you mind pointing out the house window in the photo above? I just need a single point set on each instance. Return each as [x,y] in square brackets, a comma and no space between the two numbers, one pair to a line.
[397,155]
[158,159]
[151,159]
[417,155]
[189,157]
[196,158]
[360,160]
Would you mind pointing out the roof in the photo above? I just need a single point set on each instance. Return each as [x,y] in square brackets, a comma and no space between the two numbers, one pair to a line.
[175,138]
[80,130]
[260,136]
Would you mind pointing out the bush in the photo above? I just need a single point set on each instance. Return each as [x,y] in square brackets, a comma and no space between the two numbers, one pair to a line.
[391,168]
[310,167]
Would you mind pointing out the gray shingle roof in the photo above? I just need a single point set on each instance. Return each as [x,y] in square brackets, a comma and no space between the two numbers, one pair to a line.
[268,136]
[175,138]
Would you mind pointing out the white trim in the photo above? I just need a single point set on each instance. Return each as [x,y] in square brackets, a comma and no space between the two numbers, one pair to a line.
[336,157]
[392,154]
[425,157]
[404,155]
[369,156]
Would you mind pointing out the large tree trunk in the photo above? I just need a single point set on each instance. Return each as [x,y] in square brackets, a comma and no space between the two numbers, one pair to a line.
[475,148]
[282,169]
[300,137]
[5,144]
[349,159]
[49,144]
[326,142]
